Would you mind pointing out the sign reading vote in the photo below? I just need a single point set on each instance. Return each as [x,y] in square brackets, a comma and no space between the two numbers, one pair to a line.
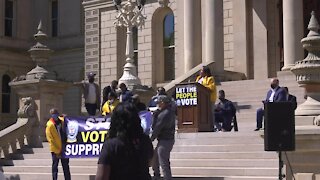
[186,95]
[85,135]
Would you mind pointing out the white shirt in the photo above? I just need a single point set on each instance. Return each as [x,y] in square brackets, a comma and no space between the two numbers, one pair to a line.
[272,95]
[92,98]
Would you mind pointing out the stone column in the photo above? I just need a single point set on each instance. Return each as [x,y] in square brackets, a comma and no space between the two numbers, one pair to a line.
[189,34]
[240,36]
[213,34]
[260,39]
[2,7]
[292,32]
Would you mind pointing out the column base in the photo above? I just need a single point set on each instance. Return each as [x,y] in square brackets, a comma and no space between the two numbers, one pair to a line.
[287,67]
[311,107]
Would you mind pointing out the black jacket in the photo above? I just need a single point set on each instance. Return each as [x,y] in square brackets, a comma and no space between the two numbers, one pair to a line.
[163,124]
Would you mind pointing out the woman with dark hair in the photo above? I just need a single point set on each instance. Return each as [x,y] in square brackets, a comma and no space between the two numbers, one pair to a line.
[207,80]
[127,151]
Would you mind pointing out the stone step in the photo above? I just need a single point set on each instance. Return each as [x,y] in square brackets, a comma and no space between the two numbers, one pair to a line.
[224,155]
[42,176]
[47,169]
[176,171]
[45,176]
[179,155]
[245,163]
[218,148]
[174,162]
[219,141]
[226,171]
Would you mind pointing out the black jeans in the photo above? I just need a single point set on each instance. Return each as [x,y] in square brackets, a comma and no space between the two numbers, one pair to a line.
[91,109]
[65,167]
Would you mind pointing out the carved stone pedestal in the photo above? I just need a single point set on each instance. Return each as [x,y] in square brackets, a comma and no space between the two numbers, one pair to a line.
[305,160]
[46,95]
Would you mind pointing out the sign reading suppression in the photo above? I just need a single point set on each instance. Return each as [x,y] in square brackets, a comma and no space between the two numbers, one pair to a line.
[186,95]
[86,135]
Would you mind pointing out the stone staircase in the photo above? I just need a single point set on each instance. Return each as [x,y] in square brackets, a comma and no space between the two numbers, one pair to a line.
[232,155]
[216,156]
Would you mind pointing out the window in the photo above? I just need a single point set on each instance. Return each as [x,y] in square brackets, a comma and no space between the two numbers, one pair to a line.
[54,18]
[8,19]
[6,90]
[168,46]
[135,47]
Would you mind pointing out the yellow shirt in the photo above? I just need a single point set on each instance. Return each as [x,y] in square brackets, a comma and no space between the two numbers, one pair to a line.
[107,108]
[209,83]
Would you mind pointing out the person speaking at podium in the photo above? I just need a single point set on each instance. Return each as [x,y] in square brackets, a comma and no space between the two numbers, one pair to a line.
[207,80]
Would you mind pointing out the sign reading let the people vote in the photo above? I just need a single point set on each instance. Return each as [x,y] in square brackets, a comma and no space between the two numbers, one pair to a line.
[186,95]
[85,135]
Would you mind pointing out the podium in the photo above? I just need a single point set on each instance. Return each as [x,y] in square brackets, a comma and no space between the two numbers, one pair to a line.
[193,107]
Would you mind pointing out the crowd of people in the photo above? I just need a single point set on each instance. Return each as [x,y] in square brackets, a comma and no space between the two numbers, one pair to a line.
[128,152]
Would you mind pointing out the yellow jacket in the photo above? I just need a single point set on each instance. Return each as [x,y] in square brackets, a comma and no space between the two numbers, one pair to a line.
[209,83]
[53,137]
[107,108]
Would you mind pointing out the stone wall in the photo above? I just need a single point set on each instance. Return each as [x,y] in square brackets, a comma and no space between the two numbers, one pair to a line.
[69,67]
[108,48]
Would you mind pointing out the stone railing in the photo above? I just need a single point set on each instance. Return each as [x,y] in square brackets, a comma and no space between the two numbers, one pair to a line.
[13,137]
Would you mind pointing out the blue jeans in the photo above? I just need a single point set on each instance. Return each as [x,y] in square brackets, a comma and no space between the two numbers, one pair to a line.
[65,167]
[162,158]
[91,109]
[260,114]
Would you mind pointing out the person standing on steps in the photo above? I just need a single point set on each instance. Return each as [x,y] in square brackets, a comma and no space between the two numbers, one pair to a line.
[163,127]
[55,134]
[91,94]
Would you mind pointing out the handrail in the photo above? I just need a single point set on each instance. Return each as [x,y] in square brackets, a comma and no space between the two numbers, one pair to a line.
[12,137]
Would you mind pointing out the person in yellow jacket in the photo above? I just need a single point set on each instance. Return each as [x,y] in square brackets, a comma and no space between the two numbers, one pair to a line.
[55,136]
[207,80]
[111,104]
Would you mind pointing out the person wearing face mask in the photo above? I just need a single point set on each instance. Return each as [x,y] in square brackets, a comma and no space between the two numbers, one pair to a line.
[163,127]
[153,101]
[55,134]
[275,94]
[224,113]
[111,104]
[91,94]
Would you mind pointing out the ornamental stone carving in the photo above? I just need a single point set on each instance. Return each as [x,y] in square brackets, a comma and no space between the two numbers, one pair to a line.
[27,110]
[307,71]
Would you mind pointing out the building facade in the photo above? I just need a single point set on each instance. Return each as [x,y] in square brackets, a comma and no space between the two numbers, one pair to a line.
[251,38]
[63,22]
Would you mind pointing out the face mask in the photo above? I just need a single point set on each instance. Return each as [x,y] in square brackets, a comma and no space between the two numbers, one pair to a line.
[273,86]
[55,117]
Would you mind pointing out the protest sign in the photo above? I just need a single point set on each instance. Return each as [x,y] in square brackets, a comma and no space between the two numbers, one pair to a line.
[85,135]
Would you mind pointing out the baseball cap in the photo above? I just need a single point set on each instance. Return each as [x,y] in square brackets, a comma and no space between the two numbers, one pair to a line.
[164,99]
[91,74]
